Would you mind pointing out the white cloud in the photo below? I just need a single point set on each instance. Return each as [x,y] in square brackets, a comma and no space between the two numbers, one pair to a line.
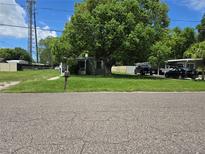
[45,32]
[15,15]
[12,15]
[198,5]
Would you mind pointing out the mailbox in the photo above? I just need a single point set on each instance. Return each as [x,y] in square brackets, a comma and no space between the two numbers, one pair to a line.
[66,74]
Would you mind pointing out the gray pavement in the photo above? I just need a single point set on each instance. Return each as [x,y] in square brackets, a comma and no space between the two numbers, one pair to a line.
[102,123]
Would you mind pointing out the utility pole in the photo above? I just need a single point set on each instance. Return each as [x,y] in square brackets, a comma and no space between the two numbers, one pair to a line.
[36,37]
[30,7]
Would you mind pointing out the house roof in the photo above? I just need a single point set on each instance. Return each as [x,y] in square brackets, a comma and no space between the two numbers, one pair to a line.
[17,61]
[183,60]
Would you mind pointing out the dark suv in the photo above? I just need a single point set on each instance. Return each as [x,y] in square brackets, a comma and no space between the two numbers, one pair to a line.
[143,68]
[181,73]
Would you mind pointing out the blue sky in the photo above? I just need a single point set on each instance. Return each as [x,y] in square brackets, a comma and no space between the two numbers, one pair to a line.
[189,10]
[185,10]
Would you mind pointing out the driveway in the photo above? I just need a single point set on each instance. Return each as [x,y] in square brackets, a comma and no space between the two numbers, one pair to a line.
[102,123]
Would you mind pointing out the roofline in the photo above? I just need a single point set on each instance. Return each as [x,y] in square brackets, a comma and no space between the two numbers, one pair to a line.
[184,60]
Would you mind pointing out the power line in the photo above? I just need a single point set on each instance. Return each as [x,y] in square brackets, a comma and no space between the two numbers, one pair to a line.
[56,30]
[48,9]
[61,10]
[54,9]
[59,21]
[175,20]
[25,27]
[182,20]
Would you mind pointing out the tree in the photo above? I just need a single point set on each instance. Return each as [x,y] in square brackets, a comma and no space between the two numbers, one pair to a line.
[180,41]
[46,56]
[201,29]
[116,31]
[15,54]
[160,53]
[197,51]
[189,36]
[22,54]
[54,50]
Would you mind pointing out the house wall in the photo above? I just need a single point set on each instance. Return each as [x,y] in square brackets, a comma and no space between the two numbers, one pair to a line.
[8,67]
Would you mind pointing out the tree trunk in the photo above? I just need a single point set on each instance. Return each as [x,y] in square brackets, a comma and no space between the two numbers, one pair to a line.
[203,73]
[107,67]
[107,70]
[158,69]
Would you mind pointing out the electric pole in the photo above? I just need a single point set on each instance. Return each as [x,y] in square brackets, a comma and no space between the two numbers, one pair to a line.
[36,37]
[31,18]
[30,23]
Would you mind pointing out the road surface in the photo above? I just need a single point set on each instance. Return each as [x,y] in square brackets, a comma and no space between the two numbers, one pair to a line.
[102,123]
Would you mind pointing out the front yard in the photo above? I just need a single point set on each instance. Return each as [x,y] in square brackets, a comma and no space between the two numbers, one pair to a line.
[36,82]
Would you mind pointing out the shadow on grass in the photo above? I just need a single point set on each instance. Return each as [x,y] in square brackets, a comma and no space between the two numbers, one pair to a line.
[122,76]
[125,76]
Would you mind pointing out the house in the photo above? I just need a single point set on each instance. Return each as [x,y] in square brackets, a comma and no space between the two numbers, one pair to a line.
[90,66]
[17,61]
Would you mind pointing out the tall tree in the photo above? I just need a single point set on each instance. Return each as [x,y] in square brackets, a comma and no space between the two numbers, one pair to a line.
[181,40]
[201,29]
[189,36]
[116,30]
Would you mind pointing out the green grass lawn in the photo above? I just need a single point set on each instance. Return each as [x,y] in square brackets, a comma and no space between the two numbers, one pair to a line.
[27,75]
[36,81]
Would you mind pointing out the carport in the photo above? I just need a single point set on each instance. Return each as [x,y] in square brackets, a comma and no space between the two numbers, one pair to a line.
[186,63]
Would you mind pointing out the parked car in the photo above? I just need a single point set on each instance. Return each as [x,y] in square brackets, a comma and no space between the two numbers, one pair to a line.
[181,73]
[143,68]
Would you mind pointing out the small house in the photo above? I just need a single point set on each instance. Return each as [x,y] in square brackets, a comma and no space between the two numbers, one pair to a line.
[90,66]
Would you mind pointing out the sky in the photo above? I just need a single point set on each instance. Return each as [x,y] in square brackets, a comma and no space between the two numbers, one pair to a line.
[53,14]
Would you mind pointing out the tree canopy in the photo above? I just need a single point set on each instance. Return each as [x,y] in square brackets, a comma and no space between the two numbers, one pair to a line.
[180,40]
[116,30]
[53,50]
[15,54]
[120,32]
[201,30]
[197,51]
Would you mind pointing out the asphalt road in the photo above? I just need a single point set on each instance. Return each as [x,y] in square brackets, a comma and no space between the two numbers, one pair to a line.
[110,123]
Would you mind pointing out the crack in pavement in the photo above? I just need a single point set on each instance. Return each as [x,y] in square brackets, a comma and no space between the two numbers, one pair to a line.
[100,123]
